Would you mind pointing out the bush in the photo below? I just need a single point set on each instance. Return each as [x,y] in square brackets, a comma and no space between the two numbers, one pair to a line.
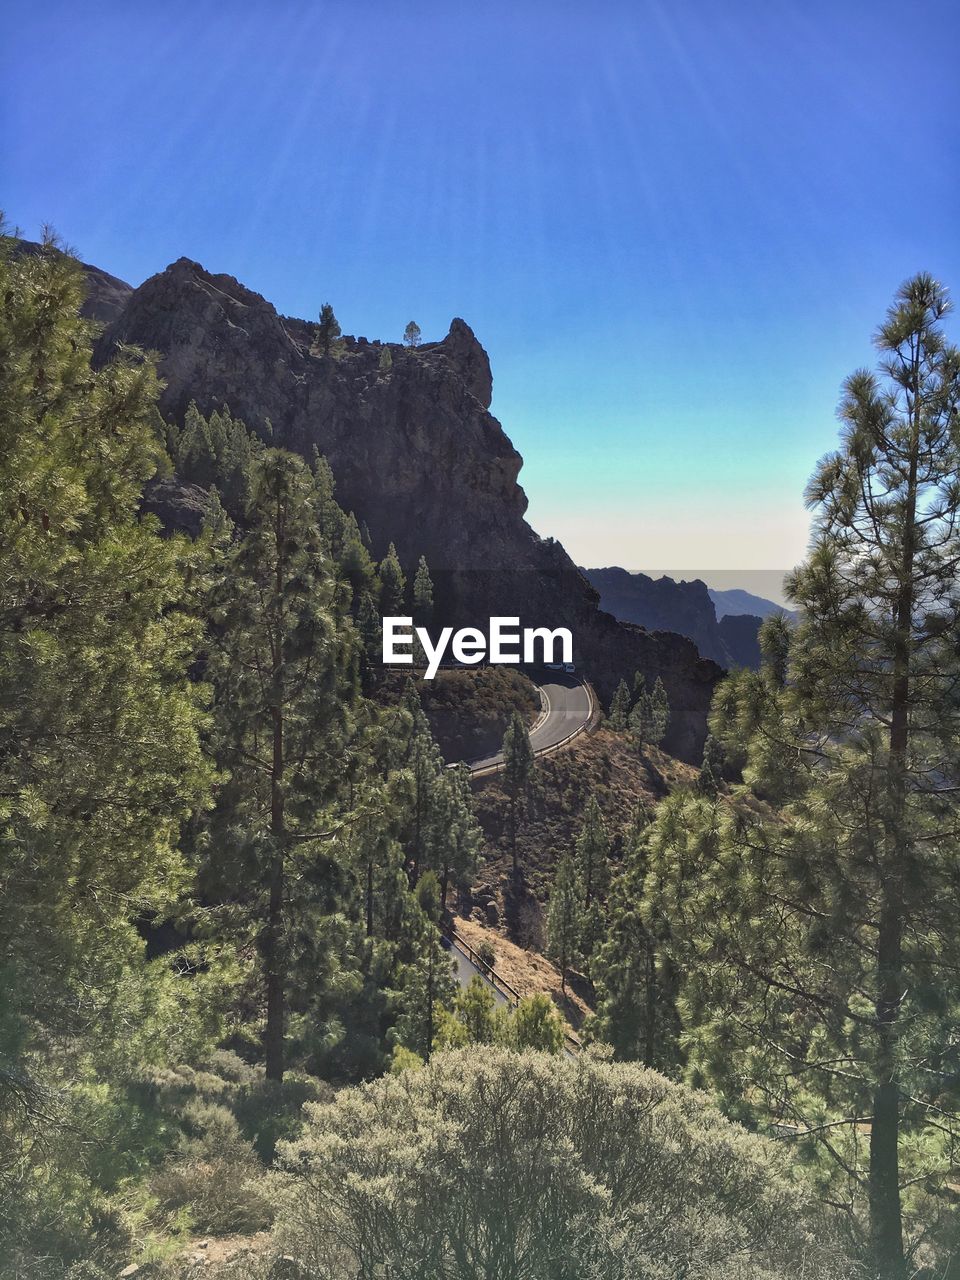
[536,1024]
[213,1176]
[486,1162]
[218,1196]
[269,1113]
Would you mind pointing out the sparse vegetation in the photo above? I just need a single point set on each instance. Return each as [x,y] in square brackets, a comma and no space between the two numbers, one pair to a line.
[469,711]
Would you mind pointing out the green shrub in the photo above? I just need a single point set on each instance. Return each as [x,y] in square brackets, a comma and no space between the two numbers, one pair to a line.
[490,1163]
[213,1176]
[218,1195]
[268,1112]
[536,1024]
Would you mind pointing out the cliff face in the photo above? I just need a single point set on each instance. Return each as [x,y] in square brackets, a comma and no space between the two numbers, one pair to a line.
[741,635]
[416,455]
[661,604]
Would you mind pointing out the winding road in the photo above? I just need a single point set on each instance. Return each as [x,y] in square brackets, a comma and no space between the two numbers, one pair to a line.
[568,706]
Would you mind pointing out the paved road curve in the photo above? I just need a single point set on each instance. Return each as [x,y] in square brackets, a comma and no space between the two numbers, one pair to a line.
[568,709]
[464,970]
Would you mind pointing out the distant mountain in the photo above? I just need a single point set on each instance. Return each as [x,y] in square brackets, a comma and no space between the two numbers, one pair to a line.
[661,604]
[734,603]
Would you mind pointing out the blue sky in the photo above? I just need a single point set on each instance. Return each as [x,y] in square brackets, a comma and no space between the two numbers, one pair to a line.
[674,224]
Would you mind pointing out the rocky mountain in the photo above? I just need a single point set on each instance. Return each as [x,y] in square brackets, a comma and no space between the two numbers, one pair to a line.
[661,604]
[736,602]
[106,295]
[416,454]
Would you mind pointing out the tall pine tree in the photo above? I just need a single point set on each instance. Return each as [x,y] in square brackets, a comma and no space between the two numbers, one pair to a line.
[281,665]
[822,942]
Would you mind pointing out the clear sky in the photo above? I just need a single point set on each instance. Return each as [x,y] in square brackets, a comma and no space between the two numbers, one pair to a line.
[674,224]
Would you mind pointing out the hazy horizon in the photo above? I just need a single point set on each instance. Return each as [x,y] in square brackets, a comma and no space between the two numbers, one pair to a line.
[765,583]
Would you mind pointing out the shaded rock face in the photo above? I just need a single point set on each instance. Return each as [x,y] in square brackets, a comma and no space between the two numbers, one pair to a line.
[416,455]
[177,506]
[661,604]
[741,635]
[106,295]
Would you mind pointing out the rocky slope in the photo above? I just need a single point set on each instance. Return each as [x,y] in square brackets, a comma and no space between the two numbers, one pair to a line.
[416,454]
[661,604]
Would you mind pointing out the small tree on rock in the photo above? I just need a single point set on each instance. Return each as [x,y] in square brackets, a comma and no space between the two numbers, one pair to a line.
[328,330]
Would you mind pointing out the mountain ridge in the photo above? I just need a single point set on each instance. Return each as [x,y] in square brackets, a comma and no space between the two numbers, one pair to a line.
[415,453]
[686,607]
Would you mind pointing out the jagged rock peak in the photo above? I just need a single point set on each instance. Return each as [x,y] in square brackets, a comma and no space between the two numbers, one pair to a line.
[462,346]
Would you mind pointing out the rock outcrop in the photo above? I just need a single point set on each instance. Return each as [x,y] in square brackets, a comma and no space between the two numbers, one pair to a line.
[741,635]
[106,295]
[416,455]
[661,604]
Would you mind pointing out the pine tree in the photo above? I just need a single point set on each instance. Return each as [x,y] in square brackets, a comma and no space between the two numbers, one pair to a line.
[423,596]
[216,451]
[710,778]
[635,985]
[411,334]
[620,708]
[640,719]
[518,762]
[659,714]
[328,330]
[280,670]
[100,757]
[393,585]
[458,835]
[593,853]
[196,456]
[424,765]
[832,933]
[650,715]
[428,982]
[563,917]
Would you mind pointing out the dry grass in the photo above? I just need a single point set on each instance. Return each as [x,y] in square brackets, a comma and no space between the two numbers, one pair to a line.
[529,972]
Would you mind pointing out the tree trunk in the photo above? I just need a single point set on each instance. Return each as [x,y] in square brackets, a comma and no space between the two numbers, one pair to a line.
[513,833]
[886,1224]
[370,898]
[430,1000]
[275,958]
[886,1227]
[650,1037]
